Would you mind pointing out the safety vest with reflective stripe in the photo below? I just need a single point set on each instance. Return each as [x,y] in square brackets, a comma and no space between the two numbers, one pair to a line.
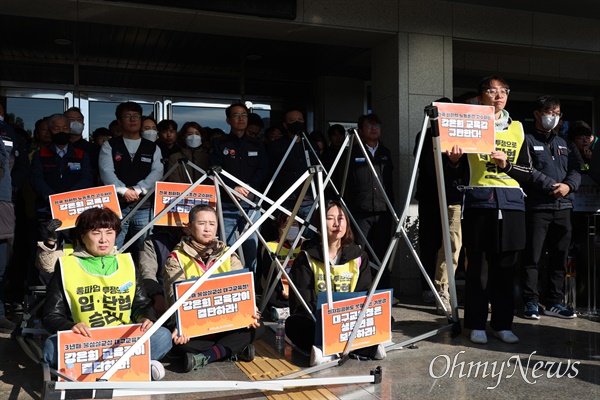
[99,300]
[484,171]
[194,268]
[343,277]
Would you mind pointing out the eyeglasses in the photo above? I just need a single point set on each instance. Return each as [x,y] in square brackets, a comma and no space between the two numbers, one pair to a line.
[238,115]
[370,125]
[496,92]
[551,114]
[131,116]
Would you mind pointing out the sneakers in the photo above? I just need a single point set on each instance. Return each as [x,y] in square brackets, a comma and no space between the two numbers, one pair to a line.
[245,355]
[531,310]
[194,361]
[478,336]
[560,311]
[446,301]
[7,325]
[506,336]
[428,297]
[317,357]
[157,371]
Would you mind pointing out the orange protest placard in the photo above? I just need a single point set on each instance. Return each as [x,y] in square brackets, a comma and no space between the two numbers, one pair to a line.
[68,205]
[167,192]
[468,126]
[87,359]
[339,322]
[223,303]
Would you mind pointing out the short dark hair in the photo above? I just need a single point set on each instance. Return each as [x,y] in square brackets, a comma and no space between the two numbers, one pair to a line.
[486,82]
[127,106]
[228,109]
[199,208]
[336,128]
[95,218]
[545,103]
[578,128]
[369,117]
[165,124]
[186,126]
[255,119]
[146,117]
[101,132]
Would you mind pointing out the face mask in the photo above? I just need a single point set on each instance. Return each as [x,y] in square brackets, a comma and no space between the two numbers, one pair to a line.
[76,128]
[292,233]
[1,117]
[550,121]
[193,141]
[60,138]
[150,134]
[296,127]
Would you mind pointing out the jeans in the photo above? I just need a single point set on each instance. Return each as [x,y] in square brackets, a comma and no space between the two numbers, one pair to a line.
[136,223]
[233,222]
[160,344]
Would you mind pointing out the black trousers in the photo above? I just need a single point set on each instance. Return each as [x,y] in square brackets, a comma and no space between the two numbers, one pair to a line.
[234,341]
[552,227]
[430,239]
[377,228]
[490,279]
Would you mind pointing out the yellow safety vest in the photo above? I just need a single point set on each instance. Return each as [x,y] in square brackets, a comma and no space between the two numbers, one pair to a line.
[99,300]
[194,268]
[281,257]
[343,277]
[484,171]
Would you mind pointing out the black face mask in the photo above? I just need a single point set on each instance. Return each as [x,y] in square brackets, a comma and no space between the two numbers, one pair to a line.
[60,138]
[296,127]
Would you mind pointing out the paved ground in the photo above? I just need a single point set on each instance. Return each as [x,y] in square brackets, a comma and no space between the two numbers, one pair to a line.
[432,370]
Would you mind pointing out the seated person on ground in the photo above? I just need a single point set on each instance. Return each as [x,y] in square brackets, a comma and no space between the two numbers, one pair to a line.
[349,268]
[190,259]
[94,261]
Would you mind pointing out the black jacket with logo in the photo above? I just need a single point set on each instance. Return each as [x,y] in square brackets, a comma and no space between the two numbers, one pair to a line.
[553,162]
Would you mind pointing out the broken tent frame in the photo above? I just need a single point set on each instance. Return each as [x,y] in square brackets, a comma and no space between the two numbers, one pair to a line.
[103,389]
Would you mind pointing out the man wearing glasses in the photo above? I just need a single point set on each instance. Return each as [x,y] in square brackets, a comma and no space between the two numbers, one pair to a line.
[245,158]
[363,194]
[549,203]
[132,164]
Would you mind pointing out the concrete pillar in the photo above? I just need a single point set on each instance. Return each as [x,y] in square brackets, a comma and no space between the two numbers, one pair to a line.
[409,71]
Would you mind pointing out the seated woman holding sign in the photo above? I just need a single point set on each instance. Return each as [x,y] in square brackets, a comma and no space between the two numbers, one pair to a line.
[190,259]
[350,272]
[94,263]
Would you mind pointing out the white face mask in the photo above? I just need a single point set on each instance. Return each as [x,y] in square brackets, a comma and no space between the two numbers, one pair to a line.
[1,117]
[150,134]
[76,128]
[292,233]
[193,141]
[550,121]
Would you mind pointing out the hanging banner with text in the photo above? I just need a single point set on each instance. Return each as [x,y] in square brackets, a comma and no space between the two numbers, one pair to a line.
[468,126]
[168,192]
[68,205]
[88,358]
[338,322]
[224,302]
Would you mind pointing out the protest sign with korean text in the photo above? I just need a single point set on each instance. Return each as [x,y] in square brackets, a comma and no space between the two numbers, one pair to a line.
[339,321]
[88,358]
[468,126]
[224,302]
[587,196]
[168,192]
[68,205]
